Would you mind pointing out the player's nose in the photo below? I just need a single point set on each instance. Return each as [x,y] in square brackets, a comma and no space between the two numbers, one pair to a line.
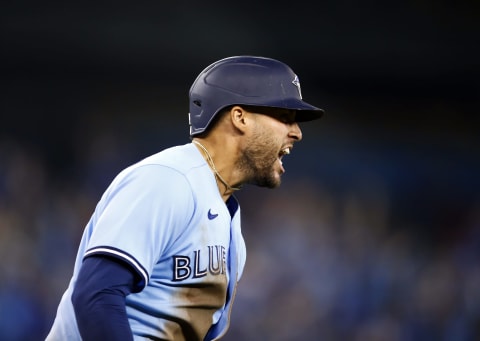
[295,132]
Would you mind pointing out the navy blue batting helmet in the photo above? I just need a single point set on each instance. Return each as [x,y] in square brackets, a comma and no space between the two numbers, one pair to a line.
[246,80]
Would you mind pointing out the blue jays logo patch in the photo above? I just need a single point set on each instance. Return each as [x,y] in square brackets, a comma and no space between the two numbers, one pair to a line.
[296,82]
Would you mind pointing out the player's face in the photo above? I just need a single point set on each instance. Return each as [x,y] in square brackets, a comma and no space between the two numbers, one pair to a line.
[273,135]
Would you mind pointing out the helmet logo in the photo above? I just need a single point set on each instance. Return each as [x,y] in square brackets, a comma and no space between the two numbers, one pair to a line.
[296,82]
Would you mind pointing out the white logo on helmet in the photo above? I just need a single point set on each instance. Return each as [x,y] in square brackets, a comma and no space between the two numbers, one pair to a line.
[296,82]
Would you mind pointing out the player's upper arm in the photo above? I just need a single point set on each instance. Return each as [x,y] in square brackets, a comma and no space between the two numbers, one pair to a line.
[141,214]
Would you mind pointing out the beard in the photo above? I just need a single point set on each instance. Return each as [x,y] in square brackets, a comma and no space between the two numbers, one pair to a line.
[258,160]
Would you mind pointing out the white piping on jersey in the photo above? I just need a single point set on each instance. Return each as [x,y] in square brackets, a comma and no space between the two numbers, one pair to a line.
[131,260]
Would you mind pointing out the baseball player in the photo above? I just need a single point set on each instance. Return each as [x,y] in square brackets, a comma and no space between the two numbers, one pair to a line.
[163,251]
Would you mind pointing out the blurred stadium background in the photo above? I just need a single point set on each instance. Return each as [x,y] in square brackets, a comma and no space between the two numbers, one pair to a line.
[375,232]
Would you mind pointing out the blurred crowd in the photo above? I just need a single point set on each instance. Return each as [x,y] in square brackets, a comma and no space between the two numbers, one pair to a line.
[323,267]
[320,265]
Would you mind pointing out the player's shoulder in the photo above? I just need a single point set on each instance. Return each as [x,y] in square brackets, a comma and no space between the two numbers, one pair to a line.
[178,156]
[169,167]
[181,158]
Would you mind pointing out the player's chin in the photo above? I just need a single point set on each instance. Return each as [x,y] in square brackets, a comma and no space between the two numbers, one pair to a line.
[269,184]
[276,184]
[274,180]
[276,177]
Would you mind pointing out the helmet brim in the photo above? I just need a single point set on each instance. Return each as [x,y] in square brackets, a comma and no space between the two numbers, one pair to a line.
[304,112]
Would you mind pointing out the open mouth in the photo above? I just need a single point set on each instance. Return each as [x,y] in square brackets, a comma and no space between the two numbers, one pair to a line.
[282,153]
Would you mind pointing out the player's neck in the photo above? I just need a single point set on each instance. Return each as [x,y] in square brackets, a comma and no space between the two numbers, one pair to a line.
[219,158]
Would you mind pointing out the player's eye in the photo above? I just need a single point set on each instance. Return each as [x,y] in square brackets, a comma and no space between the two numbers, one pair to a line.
[287,118]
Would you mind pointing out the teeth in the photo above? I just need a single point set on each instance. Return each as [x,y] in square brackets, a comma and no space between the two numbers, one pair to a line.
[284,151]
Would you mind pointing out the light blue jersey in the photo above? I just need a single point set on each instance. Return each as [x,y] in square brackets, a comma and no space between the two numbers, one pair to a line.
[166,218]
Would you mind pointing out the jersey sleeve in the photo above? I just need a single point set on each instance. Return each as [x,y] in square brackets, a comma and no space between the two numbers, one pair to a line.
[140,215]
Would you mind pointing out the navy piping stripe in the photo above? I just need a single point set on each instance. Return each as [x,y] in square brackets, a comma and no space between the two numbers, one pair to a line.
[119,254]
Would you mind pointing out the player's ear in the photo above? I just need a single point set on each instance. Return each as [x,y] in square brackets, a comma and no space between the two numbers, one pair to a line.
[239,117]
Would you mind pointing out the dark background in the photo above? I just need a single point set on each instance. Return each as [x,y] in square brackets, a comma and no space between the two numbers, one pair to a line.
[390,171]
